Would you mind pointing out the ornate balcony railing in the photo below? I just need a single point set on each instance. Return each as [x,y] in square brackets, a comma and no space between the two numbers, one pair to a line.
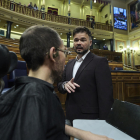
[50,17]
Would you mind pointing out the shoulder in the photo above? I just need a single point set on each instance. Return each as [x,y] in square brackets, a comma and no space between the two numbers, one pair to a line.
[36,93]
[98,60]
[70,62]
[36,89]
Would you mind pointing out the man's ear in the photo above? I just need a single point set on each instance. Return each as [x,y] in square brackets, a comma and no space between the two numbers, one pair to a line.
[53,53]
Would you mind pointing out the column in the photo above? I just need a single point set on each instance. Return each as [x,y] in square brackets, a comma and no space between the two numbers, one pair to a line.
[111,45]
[82,12]
[62,13]
[110,17]
[91,47]
[39,4]
[128,58]
[124,56]
[100,46]
[90,10]
[134,59]
[68,39]
[68,11]
[9,23]
[131,57]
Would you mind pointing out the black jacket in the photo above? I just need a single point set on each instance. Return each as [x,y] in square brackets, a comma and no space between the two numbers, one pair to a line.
[94,98]
[30,111]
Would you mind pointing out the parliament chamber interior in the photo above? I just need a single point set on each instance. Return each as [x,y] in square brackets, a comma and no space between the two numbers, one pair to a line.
[114,23]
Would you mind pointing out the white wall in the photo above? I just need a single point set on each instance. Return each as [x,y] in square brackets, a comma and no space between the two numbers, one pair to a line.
[119,3]
[65,43]
[54,4]
[106,10]
[86,11]
[13,34]
[75,11]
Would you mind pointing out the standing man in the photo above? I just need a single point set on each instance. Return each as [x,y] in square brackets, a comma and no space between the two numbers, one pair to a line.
[87,81]
[105,47]
[92,23]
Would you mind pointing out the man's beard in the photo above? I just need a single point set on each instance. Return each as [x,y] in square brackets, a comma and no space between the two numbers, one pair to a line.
[57,73]
[82,53]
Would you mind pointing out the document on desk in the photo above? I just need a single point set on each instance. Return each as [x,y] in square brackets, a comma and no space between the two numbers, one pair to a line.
[101,127]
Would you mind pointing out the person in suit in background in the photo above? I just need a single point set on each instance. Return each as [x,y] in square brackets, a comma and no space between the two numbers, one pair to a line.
[87,81]
[92,23]
[105,47]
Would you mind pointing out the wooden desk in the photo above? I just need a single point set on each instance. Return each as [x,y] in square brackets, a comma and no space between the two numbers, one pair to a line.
[115,64]
[108,54]
[126,86]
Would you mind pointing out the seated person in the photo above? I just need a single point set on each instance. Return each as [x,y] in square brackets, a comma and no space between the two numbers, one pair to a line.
[30,110]
[105,47]
[42,8]
[35,7]
[30,5]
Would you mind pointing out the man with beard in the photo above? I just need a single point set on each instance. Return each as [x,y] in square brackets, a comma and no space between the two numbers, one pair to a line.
[30,110]
[87,81]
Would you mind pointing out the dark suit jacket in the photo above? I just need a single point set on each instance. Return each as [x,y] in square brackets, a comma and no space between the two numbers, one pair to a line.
[94,98]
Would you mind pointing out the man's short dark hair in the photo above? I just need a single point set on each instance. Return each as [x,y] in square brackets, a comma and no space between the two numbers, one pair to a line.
[82,29]
[35,42]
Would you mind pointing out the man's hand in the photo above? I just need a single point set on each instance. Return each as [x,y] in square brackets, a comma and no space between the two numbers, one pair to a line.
[71,86]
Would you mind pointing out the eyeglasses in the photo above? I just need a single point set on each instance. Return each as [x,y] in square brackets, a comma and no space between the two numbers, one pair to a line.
[66,52]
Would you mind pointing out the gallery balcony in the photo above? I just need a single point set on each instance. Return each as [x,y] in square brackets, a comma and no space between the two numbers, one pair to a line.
[44,16]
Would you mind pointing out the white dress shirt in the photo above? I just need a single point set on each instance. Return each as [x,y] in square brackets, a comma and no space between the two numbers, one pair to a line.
[76,67]
[78,63]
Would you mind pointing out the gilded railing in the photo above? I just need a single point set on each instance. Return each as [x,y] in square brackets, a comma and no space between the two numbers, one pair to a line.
[50,17]
[103,26]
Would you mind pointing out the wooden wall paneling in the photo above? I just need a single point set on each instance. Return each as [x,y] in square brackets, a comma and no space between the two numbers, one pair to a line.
[115,95]
[120,90]
[132,92]
[126,86]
